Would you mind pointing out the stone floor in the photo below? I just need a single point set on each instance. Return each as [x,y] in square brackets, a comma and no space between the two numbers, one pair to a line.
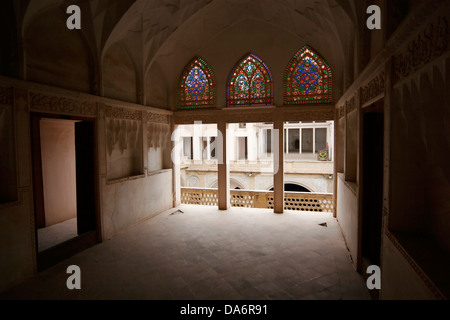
[207,254]
[56,234]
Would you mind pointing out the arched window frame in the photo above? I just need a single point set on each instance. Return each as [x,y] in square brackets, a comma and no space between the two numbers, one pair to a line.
[207,102]
[250,101]
[291,96]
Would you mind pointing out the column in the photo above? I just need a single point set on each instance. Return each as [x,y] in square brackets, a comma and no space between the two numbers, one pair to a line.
[177,145]
[223,166]
[278,153]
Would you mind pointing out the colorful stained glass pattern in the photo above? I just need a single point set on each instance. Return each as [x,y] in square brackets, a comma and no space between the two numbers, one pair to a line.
[250,84]
[197,87]
[308,79]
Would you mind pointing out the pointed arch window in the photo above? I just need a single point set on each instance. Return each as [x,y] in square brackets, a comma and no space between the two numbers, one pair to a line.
[308,79]
[197,87]
[250,83]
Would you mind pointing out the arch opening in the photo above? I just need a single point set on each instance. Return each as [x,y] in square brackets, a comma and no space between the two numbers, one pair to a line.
[292,187]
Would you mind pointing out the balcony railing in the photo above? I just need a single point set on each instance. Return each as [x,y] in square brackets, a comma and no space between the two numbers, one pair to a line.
[203,197]
[298,201]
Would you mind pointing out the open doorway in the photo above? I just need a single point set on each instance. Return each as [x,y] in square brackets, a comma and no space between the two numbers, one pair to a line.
[198,164]
[308,165]
[64,187]
[251,159]
[308,161]
[250,156]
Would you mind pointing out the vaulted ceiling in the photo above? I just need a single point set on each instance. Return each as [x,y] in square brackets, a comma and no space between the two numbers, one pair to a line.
[136,50]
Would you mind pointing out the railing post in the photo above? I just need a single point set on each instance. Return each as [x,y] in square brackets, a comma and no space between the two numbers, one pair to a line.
[260,200]
[223,167]
[278,193]
[176,167]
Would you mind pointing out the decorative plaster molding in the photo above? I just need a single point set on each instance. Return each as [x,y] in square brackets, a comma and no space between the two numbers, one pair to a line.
[125,134]
[5,95]
[43,102]
[413,24]
[101,111]
[436,292]
[20,100]
[157,118]
[385,212]
[373,89]
[431,43]
[341,112]
[158,135]
[350,104]
[122,113]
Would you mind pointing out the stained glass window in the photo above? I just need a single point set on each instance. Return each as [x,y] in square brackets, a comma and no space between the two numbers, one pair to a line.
[308,79]
[197,86]
[250,83]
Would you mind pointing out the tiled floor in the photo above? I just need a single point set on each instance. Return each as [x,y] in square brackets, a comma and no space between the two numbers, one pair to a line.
[205,254]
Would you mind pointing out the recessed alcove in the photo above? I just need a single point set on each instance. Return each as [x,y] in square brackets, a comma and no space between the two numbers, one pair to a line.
[124,148]
[419,216]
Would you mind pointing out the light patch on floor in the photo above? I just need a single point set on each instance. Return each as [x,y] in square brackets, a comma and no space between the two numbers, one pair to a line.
[56,234]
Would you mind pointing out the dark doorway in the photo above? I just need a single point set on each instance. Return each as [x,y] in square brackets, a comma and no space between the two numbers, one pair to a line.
[65,188]
[84,145]
[372,198]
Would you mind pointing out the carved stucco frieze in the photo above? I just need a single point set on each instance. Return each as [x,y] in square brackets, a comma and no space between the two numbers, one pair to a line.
[373,89]
[122,113]
[340,112]
[48,103]
[20,100]
[6,95]
[350,105]
[431,43]
[158,135]
[125,134]
[157,118]
[101,111]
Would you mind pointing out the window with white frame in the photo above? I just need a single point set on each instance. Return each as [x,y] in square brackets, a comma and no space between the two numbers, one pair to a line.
[188,148]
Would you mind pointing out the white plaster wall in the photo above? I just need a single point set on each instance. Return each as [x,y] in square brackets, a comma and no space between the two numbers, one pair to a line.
[263,182]
[211,180]
[129,202]
[155,159]
[117,61]
[252,142]
[58,170]
[347,216]
[315,183]
[242,178]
